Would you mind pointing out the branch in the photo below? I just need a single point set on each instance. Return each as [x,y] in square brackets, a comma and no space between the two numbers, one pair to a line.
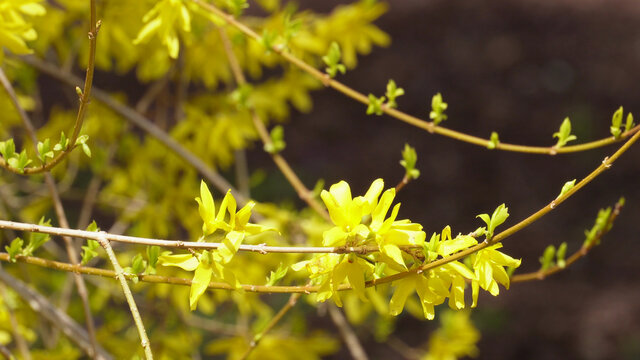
[346,333]
[304,193]
[145,124]
[44,308]
[293,299]
[53,191]
[119,274]
[84,95]
[263,249]
[583,251]
[399,115]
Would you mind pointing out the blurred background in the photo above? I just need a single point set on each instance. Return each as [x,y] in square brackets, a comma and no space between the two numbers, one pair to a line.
[518,68]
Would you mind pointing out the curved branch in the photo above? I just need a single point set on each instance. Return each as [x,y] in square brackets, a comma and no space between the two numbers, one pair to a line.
[84,95]
[303,192]
[412,120]
[583,251]
[145,124]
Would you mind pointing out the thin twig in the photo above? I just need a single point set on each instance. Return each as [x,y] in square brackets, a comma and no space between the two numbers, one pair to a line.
[55,196]
[145,124]
[263,249]
[412,120]
[119,273]
[4,351]
[303,192]
[44,308]
[17,336]
[583,251]
[84,95]
[346,333]
[293,299]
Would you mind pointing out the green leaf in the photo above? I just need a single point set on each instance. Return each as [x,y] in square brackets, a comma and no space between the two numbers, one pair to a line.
[237,6]
[332,60]
[560,254]
[44,150]
[629,124]
[89,251]
[546,260]
[408,162]
[616,122]
[493,141]
[14,249]
[153,254]
[277,143]
[500,214]
[392,93]
[268,39]
[277,275]
[62,144]
[7,149]
[564,134]
[86,150]
[37,239]
[93,226]
[438,106]
[375,105]
[241,95]
[566,187]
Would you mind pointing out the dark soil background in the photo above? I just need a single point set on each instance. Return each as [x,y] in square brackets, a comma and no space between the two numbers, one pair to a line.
[516,67]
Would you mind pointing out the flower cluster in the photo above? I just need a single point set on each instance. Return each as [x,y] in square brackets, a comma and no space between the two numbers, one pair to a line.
[227,226]
[362,221]
[14,29]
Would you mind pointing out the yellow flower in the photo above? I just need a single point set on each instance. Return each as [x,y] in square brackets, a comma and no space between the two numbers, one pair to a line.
[488,265]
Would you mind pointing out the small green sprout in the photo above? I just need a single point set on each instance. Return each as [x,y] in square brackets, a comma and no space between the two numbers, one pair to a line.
[332,60]
[438,106]
[375,105]
[392,93]
[408,162]
[564,134]
[500,214]
[277,143]
[493,141]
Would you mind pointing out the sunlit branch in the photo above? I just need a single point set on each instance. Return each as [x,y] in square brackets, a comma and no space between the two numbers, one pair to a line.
[412,120]
[583,251]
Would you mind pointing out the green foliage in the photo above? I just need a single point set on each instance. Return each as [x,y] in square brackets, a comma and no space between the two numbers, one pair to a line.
[275,276]
[601,225]
[375,105]
[392,93]
[89,251]
[332,60]
[500,214]
[616,122]
[546,260]
[493,141]
[629,124]
[564,134]
[277,143]
[560,255]
[567,187]
[408,162]
[237,6]
[14,249]
[438,106]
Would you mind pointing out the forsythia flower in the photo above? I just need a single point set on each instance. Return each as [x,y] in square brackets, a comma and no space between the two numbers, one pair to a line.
[353,228]
[233,228]
[456,338]
[14,29]
[488,265]
[163,19]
